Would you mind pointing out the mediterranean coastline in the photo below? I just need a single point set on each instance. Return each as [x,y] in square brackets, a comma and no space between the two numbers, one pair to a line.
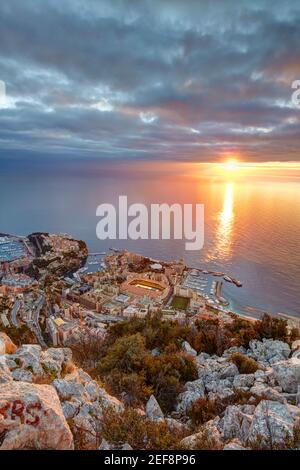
[52,288]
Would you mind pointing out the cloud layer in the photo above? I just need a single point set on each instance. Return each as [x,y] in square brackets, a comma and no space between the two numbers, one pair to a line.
[150,79]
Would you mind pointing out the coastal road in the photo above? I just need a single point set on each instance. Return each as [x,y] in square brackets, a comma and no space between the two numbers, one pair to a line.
[35,320]
[14,313]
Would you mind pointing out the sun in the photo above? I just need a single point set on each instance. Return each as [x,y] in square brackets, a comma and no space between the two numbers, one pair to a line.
[231,164]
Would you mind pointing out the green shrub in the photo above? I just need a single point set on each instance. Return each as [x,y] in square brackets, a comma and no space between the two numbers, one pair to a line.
[127,365]
[126,354]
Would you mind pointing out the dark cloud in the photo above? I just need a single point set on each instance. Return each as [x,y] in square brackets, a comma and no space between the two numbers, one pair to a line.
[150,79]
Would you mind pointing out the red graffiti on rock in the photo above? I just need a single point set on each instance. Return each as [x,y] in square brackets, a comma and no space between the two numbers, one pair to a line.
[27,414]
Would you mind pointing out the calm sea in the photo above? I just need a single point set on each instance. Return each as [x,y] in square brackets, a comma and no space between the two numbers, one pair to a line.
[252,218]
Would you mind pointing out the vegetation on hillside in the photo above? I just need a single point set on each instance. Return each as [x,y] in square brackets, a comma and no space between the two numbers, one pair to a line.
[143,356]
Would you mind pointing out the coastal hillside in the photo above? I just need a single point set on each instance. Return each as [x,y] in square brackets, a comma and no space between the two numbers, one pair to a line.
[154,384]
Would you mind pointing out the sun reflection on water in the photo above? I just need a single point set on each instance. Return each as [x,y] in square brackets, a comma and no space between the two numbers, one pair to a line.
[225,223]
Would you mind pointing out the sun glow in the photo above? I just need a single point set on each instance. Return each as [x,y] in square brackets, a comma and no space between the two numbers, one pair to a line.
[231,165]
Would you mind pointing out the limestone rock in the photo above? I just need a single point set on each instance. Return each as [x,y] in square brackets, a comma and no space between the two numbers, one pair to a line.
[32,418]
[68,389]
[287,374]
[104,445]
[155,352]
[52,360]
[153,410]
[126,446]
[207,438]
[175,424]
[235,444]
[5,374]
[22,375]
[272,424]
[28,357]
[296,354]
[70,408]
[86,425]
[268,393]
[188,349]
[201,358]
[269,351]
[218,368]
[243,381]
[296,345]
[108,401]
[232,350]
[6,344]
[192,391]
[298,396]
[235,423]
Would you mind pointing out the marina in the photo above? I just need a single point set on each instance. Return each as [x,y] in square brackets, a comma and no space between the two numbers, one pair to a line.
[12,248]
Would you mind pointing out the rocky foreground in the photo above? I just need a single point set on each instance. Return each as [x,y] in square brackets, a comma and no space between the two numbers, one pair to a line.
[46,402]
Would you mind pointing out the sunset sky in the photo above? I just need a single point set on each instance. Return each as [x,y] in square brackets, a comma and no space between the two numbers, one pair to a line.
[154,79]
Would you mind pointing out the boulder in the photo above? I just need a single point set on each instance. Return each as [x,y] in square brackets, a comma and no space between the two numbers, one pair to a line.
[260,376]
[68,389]
[86,425]
[287,374]
[235,444]
[234,349]
[93,390]
[228,370]
[108,401]
[174,424]
[235,423]
[70,408]
[22,375]
[216,369]
[83,404]
[188,349]
[296,345]
[268,393]
[219,389]
[296,354]
[269,351]
[6,344]
[31,418]
[153,410]
[243,381]
[2,347]
[126,446]
[298,396]
[155,352]
[28,357]
[202,358]
[5,373]
[51,361]
[104,445]
[192,391]
[208,438]
[272,425]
